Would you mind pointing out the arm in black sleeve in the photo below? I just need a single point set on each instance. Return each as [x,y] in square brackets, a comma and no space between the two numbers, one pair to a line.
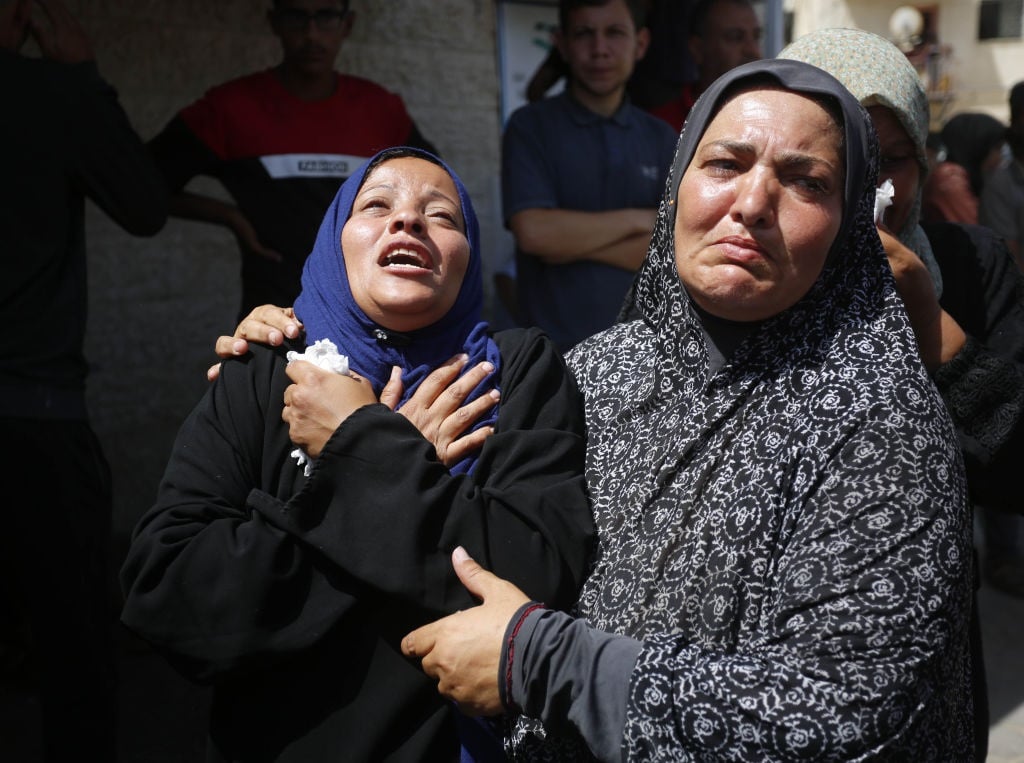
[382,508]
[984,392]
[180,155]
[207,580]
[109,160]
[983,385]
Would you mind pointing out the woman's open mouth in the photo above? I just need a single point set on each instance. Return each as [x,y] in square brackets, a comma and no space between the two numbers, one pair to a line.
[406,257]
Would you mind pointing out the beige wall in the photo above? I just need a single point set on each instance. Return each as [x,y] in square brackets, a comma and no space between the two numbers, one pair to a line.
[981,72]
[156,305]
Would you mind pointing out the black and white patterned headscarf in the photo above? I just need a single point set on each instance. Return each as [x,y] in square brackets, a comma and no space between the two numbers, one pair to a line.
[787,531]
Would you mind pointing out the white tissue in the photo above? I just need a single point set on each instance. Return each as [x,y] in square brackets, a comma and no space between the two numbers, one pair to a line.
[324,354]
[883,199]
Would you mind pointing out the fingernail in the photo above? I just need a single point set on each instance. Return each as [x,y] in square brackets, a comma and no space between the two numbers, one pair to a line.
[495,395]
[291,330]
[487,365]
[238,347]
[459,555]
[396,373]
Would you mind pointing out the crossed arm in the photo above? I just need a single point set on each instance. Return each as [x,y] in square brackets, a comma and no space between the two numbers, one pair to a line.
[617,237]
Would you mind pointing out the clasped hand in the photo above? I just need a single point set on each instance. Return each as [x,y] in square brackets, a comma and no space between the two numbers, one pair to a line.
[462,652]
[318,401]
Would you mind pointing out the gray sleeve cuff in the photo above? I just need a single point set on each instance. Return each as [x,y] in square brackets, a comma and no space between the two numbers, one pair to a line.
[567,674]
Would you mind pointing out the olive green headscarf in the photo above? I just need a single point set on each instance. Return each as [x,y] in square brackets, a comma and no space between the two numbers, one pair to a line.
[878,74]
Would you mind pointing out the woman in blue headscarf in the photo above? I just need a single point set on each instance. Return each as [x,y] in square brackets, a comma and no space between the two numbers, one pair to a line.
[289,591]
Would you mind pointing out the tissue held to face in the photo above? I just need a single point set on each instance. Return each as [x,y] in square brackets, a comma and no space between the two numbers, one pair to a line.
[405,244]
[899,164]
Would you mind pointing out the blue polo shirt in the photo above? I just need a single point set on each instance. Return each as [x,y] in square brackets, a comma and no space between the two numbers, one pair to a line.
[556,154]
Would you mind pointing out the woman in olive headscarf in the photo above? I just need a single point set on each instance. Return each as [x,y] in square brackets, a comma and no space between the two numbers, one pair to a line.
[976,358]
[783,567]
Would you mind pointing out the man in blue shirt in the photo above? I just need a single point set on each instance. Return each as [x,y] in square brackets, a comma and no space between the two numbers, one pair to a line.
[582,174]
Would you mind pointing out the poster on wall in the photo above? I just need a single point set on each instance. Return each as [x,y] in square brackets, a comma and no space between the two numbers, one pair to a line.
[525,33]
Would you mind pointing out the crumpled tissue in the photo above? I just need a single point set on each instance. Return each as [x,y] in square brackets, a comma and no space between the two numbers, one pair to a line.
[324,354]
[883,199]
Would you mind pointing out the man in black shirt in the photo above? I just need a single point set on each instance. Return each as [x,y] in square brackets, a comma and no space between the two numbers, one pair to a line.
[66,139]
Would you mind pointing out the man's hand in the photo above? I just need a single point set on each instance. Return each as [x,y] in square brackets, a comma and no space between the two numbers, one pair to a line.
[266,324]
[61,38]
[436,407]
[318,401]
[195,206]
[463,651]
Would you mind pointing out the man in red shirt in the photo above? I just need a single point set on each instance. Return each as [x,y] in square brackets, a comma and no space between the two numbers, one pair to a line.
[281,141]
[723,35]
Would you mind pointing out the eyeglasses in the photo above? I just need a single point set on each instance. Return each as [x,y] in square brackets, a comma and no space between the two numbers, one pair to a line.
[297,20]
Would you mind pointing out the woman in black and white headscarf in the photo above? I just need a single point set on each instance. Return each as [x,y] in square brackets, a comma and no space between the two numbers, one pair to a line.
[783,567]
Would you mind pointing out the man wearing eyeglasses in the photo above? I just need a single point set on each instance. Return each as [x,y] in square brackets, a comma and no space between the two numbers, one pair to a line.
[280,141]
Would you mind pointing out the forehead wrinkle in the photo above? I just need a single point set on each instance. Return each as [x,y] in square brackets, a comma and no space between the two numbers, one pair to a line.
[731,144]
[437,193]
[787,159]
[799,160]
[379,186]
[384,185]
[790,156]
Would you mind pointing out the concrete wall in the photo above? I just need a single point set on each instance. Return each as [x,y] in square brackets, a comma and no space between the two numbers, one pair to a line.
[156,305]
[980,72]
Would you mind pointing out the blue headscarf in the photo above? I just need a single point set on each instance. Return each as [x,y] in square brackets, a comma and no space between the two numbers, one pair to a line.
[328,310]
